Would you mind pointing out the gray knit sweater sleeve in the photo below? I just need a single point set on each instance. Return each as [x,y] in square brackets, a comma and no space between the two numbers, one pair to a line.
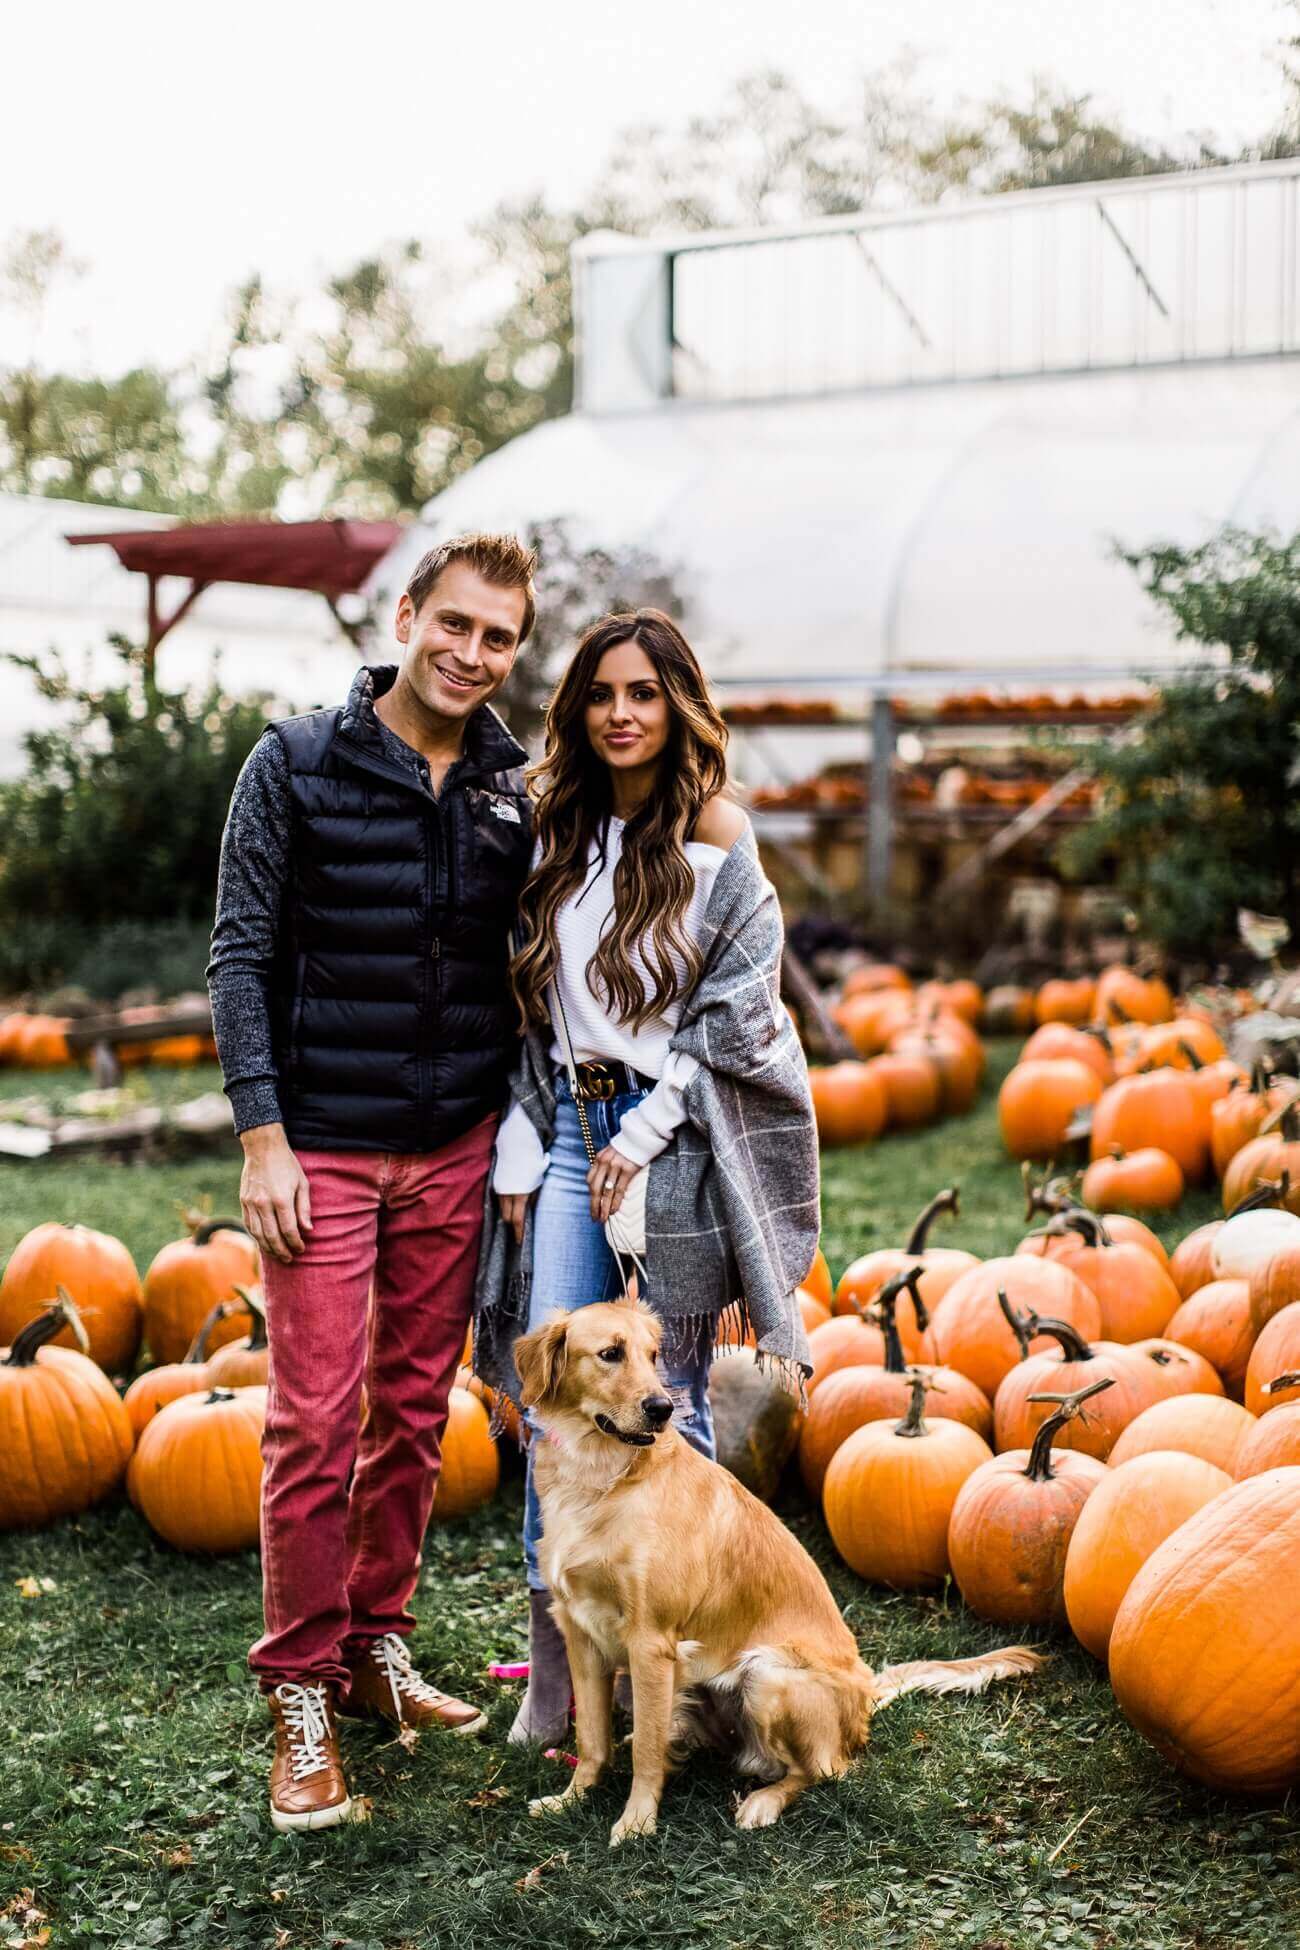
[250,888]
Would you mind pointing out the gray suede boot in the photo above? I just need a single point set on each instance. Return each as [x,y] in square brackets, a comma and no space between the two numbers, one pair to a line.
[543,1714]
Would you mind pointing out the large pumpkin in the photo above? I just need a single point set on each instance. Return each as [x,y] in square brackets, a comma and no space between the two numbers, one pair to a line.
[1275,1353]
[1160,1110]
[1072,1364]
[1274,1284]
[1130,1512]
[152,1390]
[1191,1264]
[1215,1323]
[1135,1292]
[98,1272]
[470,1468]
[1039,1100]
[849,1103]
[1059,1039]
[817,1280]
[889,1492]
[65,1438]
[911,1086]
[1147,1180]
[1013,1519]
[968,1330]
[1208,1426]
[845,1342]
[864,1278]
[187,1279]
[1205,1653]
[245,1363]
[1066,1001]
[196,1476]
[1263,1161]
[1125,996]
[1179,1370]
[1273,1442]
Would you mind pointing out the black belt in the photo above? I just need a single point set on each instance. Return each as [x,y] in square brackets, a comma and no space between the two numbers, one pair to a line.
[599,1082]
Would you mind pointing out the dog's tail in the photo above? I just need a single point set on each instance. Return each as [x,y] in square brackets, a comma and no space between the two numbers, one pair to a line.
[955,1675]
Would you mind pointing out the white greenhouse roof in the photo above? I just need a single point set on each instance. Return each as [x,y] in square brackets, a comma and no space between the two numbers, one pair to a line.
[921,537]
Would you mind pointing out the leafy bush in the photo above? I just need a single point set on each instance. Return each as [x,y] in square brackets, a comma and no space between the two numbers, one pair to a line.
[1200,815]
[110,839]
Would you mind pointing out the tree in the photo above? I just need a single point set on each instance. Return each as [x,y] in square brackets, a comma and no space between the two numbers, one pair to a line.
[1199,814]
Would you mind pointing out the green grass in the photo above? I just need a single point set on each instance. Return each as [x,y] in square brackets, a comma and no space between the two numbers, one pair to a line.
[134,1753]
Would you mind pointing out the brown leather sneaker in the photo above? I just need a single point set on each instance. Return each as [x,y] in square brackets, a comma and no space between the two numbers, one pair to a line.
[307,1785]
[386,1686]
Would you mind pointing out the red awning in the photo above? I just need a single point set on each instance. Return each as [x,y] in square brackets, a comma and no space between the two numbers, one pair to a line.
[331,557]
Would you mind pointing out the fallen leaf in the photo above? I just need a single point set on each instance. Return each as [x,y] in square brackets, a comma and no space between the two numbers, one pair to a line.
[488,1797]
[362,1808]
[408,1737]
[28,1587]
[178,1858]
[534,1876]
[16,1852]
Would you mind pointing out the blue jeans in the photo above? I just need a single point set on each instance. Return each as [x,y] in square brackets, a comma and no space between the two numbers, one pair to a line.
[573,1267]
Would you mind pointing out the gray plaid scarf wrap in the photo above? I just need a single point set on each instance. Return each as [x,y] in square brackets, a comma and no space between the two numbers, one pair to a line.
[733,1203]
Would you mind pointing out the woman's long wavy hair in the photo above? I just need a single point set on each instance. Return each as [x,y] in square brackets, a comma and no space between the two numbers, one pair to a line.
[653,881]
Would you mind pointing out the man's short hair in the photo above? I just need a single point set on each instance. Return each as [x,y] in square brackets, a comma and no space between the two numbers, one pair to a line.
[499,559]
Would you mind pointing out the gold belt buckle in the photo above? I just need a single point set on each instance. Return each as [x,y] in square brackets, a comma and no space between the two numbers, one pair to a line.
[596,1081]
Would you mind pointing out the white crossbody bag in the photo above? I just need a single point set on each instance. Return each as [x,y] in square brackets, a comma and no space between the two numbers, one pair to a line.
[624,1229]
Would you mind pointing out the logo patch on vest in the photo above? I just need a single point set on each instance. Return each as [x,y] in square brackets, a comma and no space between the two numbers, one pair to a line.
[504,809]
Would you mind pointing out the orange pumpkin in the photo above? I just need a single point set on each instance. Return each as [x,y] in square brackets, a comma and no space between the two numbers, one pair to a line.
[495,1401]
[848,1341]
[1073,1364]
[1059,1039]
[1149,1180]
[1264,1159]
[851,1397]
[889,1492]
[1124,996]
[968,1330]
[1276,1353]
[955,1054]
[153,1390]
[244,1363]
[872,977]
[1136,1295]
[65,1438]
[470,1469]
[1208,1426]
[1273,1443]
[1038,1102]
[1129,1514]
[1066,1001]
[817,1280]
[1159,1111]
[1008,1010]
[42,1043]
[864,1278]
[1013,1520]
[97,1271]
[11,1030]
[911,1087]
[1186,1043]
[1205,1652]
[849,1103]
[1215,1323]
[1274,1284]
[188,1278]
[1178,1369]
[1237,1117]
[1192,1263]
[196,1475]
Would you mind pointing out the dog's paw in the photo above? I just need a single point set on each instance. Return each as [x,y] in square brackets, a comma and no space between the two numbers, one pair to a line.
[760,1809]
[632,1821]
[552,1804]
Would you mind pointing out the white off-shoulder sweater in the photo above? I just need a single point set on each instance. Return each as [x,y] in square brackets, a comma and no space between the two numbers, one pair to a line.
[520,1160]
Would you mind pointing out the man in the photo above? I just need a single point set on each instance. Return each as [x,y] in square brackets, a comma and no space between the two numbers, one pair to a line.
[370,869]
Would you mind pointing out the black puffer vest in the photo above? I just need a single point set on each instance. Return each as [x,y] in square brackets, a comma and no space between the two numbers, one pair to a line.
[394,1024]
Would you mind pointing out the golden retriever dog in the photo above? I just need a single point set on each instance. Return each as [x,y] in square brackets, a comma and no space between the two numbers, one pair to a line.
[661,1562]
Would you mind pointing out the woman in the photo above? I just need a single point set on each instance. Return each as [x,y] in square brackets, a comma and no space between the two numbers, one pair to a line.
[648,929]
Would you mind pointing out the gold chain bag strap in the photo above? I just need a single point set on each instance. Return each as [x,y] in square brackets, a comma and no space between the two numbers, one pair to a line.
[624,1229]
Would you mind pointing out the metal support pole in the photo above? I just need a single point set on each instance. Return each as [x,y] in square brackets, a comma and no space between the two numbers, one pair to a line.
[880,820]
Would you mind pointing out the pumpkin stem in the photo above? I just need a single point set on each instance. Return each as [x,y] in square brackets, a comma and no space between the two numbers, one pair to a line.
[256,1306]
[220,1395]
[57,1315]
[198,1351]
[1281,1381]
[1285,1118]
[946,1201]
[1089,1225]
[1024,1326]
[913,1423]
[1039,1467]
[209,1229]
[1050,1195]
[1070,1340]
[886,1307]
[1194,1062]
[1101,1032]
[1269,1191]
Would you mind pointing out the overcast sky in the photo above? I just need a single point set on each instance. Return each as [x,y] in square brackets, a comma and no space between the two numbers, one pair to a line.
[177,147]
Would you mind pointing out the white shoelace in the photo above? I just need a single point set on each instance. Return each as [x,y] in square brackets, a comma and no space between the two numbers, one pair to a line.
[308,1725]
[394,1661]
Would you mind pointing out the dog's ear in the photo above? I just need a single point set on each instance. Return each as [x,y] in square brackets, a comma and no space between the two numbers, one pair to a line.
[540,1358]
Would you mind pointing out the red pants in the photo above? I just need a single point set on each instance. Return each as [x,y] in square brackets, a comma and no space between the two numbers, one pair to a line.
[344,1508]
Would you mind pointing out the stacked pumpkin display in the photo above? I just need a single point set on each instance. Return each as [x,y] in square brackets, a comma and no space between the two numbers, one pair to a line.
[33,1041]
[186,1433]
[919,1057]
[1091,1433]
[1165,1105]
